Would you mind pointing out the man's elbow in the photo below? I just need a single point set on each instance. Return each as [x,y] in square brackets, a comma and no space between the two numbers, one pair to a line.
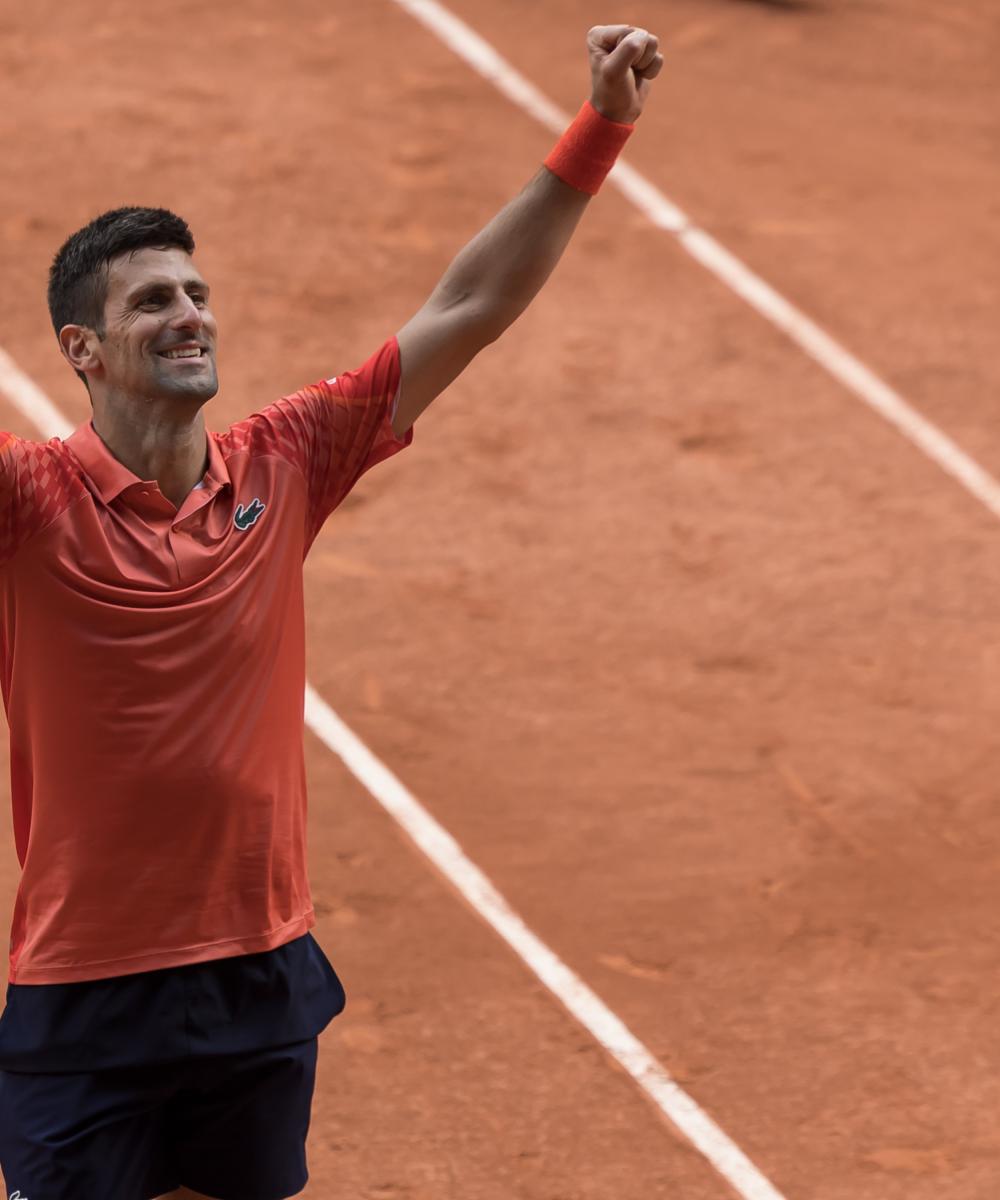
[491,316]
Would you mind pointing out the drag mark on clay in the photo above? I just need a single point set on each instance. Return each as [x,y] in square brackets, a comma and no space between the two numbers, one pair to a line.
[624,964]
[808,799]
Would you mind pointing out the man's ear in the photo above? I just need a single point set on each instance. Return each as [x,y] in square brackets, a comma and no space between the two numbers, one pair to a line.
[79,347]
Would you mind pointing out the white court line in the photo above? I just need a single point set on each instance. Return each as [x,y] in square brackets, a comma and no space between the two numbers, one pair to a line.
[845,367]
[31,401]
[592,1013]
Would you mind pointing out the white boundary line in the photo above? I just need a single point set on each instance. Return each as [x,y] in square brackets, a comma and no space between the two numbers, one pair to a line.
[31,401]
[592,1013]
[845,367]
[449,858]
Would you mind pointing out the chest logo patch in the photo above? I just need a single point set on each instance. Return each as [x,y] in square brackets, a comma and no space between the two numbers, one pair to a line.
[245,517]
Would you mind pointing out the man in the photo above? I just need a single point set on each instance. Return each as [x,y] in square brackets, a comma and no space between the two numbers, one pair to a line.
[166,996]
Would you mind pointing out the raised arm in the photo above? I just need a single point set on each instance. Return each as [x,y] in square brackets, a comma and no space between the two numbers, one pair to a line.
[496,276]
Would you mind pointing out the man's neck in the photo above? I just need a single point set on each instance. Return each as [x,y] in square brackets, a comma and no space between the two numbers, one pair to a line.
[173,453]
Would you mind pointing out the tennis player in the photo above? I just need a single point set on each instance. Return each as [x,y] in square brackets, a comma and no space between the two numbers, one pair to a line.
[166,994]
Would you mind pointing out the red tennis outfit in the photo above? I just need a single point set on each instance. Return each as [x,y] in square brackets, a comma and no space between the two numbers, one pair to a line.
[153,668]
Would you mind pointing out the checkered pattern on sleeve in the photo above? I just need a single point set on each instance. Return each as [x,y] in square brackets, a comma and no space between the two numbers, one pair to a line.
[38,482]
[333,431]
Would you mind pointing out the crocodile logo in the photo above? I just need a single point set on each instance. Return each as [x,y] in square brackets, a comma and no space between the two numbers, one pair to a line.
[245,517]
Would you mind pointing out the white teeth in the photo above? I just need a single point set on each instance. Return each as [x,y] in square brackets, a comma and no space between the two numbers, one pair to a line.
[182,353]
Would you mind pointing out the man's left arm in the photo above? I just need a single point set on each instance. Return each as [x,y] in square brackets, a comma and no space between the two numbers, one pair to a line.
[497,275]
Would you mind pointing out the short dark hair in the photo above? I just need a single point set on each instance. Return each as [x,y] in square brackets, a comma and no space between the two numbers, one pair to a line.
[78,278]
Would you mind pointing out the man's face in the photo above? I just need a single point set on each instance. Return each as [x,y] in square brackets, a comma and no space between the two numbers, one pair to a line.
[156,316]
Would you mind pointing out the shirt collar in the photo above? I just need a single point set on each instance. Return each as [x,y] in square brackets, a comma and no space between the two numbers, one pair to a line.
[112,477]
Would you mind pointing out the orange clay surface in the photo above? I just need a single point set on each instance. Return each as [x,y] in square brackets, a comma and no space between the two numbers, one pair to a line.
[697,658]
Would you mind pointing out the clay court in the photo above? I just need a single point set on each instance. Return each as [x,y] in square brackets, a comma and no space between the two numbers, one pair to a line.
[694,653]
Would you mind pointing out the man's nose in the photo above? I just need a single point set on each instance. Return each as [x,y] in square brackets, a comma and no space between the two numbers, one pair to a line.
[187,314]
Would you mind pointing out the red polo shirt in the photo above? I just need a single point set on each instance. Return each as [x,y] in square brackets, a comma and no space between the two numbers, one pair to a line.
[153,668]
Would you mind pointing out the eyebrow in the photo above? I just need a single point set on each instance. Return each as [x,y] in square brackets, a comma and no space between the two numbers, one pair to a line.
[156,285]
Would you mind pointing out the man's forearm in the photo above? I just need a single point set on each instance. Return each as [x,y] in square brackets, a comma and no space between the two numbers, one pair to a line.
[498,274]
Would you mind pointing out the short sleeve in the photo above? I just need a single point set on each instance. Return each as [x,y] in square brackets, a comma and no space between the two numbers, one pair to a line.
[8,496]
[336,429]
[37,483]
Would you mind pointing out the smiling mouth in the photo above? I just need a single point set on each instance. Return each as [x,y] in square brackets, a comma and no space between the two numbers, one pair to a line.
[188,355]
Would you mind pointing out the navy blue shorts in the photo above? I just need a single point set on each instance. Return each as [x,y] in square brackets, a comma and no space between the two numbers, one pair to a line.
[230,1126]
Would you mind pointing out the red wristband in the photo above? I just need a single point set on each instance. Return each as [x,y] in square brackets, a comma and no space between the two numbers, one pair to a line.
[586,152]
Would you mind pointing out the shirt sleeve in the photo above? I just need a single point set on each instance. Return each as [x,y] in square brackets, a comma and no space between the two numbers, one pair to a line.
[336,429]
[9,491]
[35,487]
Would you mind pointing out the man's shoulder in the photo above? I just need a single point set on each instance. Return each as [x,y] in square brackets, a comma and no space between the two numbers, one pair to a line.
[40,463]
[12,444]
[39,481]
[255,443]
[283,429]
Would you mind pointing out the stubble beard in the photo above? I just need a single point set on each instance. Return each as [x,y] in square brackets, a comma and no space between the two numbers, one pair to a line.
[170,385]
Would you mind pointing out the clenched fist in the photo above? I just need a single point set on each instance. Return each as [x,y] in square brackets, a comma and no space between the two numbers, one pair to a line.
[623,63]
